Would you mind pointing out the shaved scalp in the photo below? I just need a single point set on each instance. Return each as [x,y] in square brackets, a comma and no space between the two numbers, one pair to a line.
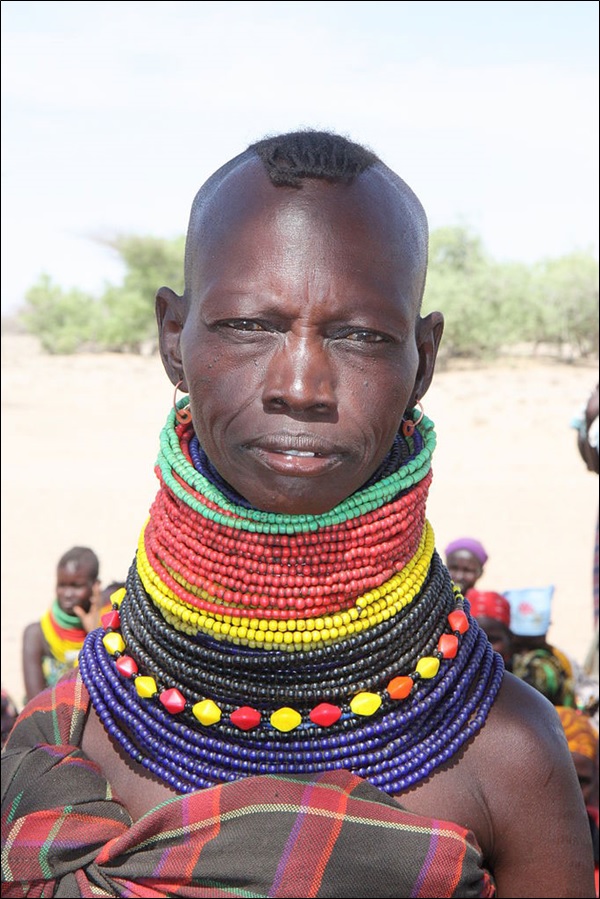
[81,557]
[289,159]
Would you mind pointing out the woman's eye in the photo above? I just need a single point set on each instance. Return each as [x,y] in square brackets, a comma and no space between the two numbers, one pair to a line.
[363,336]
[244,324]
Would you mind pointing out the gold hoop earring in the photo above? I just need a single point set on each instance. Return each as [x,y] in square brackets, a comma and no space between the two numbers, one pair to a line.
[409,424]
[183,415]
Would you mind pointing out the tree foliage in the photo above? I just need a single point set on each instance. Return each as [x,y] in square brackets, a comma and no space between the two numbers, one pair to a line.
[64,321]
[123,318]
[488,306]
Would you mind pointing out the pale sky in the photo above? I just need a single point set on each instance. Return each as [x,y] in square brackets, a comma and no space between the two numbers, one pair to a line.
[114,113]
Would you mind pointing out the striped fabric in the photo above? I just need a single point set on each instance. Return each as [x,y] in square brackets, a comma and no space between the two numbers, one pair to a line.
[63,834]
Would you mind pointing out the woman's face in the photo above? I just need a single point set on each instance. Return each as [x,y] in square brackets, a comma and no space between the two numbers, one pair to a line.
[303,346]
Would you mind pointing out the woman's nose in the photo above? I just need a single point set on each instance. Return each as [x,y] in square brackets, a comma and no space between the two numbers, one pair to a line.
[300,377]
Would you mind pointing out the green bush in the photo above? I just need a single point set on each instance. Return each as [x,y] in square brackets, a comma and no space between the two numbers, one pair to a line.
[64,321]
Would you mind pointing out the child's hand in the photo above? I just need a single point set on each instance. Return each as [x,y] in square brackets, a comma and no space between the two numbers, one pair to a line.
[91,619]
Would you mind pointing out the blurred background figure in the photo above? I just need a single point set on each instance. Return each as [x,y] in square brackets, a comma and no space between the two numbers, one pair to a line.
[586,424]
[534,659]
[465,560]
[51,645]
[108,591]
[492,611]
[582,738]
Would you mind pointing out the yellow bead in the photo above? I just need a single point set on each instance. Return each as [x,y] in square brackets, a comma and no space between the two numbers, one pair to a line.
[428,666]
[207,712]
[285,719]
[113,642]
[146,687]
[365,703]
[118,596]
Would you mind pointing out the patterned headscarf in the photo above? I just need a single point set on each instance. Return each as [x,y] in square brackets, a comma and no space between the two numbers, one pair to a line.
[581,735]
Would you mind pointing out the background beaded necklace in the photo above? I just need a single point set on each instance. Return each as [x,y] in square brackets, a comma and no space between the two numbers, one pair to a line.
[248,642]
[64,633]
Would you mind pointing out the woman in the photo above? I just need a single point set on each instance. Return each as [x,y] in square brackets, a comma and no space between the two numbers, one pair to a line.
[289,698]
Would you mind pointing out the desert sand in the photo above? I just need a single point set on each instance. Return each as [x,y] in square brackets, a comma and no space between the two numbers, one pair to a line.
[80,438]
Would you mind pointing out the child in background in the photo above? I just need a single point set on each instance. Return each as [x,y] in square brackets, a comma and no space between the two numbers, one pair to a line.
[51,646]
[465,560]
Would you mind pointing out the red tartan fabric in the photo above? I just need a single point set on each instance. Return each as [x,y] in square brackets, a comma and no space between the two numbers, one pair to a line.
[329,835]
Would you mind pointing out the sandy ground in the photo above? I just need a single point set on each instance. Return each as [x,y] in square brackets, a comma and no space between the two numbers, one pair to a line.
[80,437]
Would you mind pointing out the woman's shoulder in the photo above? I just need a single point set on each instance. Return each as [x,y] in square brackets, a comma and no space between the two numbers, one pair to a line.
[523,717]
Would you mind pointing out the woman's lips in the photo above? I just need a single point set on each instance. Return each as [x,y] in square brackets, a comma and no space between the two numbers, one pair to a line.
[298,455]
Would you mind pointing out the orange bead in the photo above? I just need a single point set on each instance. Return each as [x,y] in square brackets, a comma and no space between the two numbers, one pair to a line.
[400,687]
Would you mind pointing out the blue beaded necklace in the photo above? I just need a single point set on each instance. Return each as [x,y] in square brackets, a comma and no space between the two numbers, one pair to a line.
[395,747]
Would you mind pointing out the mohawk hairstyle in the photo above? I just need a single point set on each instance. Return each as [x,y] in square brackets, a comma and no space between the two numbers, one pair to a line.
[288,158]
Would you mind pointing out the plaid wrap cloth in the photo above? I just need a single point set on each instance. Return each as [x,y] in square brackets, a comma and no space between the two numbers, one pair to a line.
[331,834]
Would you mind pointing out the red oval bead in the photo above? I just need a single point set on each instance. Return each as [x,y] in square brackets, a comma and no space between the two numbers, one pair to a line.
[111,620]
[458,621]
[448,645]
[325,714]
[172,700]
[245,718]
[126,666]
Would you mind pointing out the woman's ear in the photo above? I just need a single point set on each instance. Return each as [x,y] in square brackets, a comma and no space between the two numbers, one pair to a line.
[429,336]
[170,317]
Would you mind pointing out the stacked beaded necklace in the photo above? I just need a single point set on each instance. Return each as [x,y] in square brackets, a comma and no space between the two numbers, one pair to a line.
[248,642]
